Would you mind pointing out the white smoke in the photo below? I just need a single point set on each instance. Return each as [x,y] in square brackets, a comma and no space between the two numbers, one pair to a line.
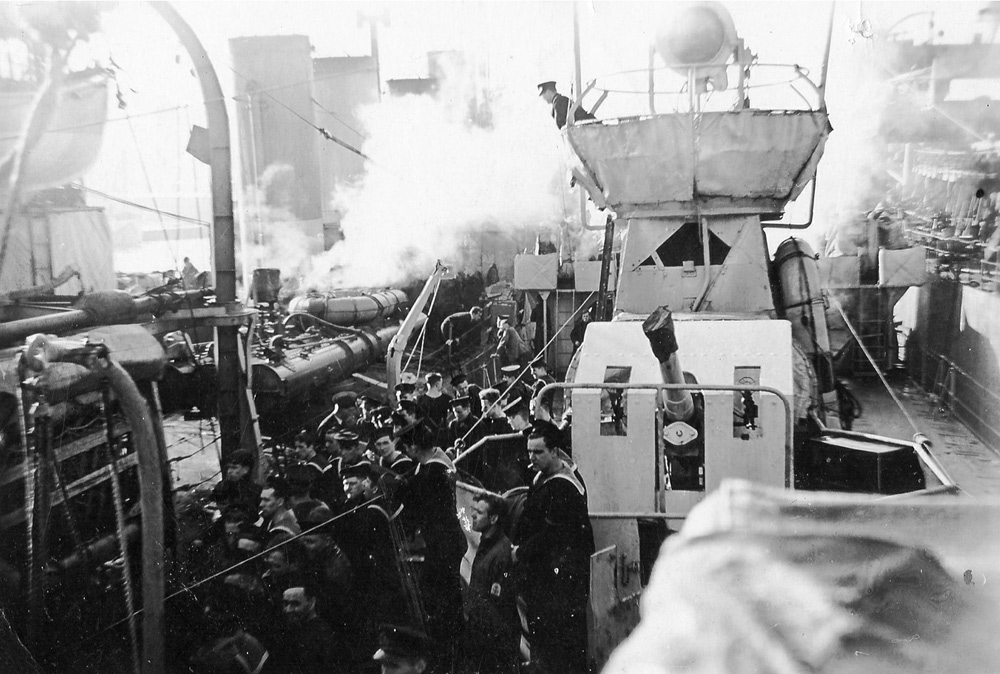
[274,236]
[433,178]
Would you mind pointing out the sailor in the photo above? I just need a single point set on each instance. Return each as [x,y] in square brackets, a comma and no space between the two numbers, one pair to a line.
[310,645]
[540,371]
[403,650]
[463,428]
[405,415]
[517,414]
[493,634]
[238,483]
[363,534]
[344,415]
[457,329]
[428,499]
[560,105]
[501,461]
[330,567]
[493,422]
[579,330]
[462,387]
[351,452]
[511,348]
[274,512]
[405,391]
[387,456]
[511,386]
[433,406]
[301,478]
[284,568]
[553,543]
[189,274]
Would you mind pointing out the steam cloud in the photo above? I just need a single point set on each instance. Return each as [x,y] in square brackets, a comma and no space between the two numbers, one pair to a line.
[434,178]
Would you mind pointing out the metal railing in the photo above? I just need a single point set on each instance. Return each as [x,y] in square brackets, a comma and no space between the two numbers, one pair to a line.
[659,388]
[671,93]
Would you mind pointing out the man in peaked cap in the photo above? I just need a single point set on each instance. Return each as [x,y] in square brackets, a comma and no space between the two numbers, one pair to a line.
[402,650]
[561,104]
[512,386]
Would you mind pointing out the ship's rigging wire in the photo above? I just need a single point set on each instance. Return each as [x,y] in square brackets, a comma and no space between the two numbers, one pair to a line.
[149,186]
[116,492]
[224,572]
[336,117]
[185,106]
[126,202]
[423,328]
[323,132]
[875,367]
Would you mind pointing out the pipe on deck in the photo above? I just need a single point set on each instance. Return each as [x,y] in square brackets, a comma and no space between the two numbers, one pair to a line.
[349,310]
[107,307]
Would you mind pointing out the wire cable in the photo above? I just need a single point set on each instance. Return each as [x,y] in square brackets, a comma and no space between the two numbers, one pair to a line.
[527,367]
[126,202]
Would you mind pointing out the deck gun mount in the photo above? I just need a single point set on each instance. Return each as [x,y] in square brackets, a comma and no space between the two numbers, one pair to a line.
[698,302]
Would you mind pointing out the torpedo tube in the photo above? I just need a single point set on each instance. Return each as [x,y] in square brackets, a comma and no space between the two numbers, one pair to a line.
[803,305]
[356,309]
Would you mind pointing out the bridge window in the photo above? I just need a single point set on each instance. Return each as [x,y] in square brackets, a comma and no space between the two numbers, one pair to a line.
[684,245]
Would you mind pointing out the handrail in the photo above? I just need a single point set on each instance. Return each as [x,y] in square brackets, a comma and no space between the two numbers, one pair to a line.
[482,441]
[789,419]
[797,74]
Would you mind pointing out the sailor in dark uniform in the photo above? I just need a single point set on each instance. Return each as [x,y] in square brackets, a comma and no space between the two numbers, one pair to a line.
[494,629]
[464,426]
[428,499]
[460,384]
[364,535]
[512,386]
[561,104]
[404,650]
[540,370]
[387,456]
[553,542]
[351,452]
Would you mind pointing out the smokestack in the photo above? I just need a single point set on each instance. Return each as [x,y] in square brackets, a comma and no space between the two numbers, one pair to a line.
[279,145]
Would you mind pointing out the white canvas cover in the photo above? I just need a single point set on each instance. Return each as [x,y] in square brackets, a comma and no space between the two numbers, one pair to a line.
[791,582]
[60,238]
[72,138]
[751,154]
[902,268]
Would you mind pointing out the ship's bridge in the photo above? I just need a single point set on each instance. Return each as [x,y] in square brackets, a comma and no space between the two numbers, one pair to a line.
[693,184]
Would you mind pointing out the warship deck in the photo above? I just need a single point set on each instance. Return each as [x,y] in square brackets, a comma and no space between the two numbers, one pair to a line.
[972,464]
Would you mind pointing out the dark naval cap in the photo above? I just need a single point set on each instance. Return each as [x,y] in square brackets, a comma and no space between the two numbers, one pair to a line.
[345,437]
[463,401]
[407,643]
[362,469]
[542,86]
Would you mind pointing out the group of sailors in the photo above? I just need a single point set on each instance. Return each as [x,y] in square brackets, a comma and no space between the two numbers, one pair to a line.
[347,554]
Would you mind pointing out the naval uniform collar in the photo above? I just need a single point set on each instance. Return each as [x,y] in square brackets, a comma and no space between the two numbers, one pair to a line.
[565,472]
[438,456]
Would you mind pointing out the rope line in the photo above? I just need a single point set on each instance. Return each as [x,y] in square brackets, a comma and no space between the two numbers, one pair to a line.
[126,202]
[875,367]
[188,588]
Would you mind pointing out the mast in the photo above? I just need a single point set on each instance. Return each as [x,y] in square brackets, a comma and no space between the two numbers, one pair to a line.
[233,407]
